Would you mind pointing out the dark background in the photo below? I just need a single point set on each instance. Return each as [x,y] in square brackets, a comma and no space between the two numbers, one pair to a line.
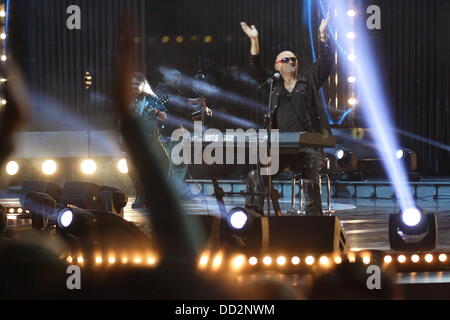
[412,50]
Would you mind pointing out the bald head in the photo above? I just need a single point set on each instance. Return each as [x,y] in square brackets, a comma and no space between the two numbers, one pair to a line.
[286,68]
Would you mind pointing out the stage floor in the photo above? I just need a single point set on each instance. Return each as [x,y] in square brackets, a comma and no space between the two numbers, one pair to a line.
[365,221]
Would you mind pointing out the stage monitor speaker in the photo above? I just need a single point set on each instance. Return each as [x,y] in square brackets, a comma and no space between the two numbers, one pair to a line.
[290,235]
[42,186]
[85,195]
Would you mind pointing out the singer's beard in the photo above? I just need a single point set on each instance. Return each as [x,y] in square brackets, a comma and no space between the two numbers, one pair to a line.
[291,69]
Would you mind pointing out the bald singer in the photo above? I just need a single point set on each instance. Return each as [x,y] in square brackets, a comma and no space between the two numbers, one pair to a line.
[296,106]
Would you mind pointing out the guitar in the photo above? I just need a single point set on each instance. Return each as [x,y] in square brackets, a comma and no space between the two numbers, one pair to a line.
[157,105]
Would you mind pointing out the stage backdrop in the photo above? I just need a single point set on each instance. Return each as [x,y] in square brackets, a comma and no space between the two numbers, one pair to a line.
[412,47]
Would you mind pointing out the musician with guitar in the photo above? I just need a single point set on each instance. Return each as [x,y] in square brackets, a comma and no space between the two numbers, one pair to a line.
[296,105]
[150,109]
[182,111]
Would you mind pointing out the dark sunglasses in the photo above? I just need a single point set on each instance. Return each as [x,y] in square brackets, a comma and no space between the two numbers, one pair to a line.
[286,60]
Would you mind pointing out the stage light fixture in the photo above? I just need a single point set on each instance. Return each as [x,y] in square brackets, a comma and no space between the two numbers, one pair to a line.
[351,79]
[351,57]
[352,101]
[401,258]
[253,261]
[281,260]
[88,166]
[122,166]
[49,167]
[295,260]
[442,257]
[65,218]
[3,57]
[351,13]
[412,217]
[415,258]
[309,260]
[237,262]
[237,218]
[76,222]
[351,35]
[267,260]
[412,230]
[3,101]
[12,168]
[340,154]
[429,258]
[387,259]
[399,154]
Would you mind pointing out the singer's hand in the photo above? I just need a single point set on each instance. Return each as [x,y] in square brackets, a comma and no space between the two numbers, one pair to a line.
[162,116]
[251,32]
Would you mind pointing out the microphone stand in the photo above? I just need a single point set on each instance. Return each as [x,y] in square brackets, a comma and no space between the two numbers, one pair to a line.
[268,117]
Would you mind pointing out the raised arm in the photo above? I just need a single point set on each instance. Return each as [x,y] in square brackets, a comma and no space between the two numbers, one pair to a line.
[324,65]
[256,70]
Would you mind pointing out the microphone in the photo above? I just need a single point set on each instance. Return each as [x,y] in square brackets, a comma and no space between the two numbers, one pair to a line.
[275,76]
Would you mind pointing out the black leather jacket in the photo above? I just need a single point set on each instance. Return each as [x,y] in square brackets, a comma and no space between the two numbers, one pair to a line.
[310,85]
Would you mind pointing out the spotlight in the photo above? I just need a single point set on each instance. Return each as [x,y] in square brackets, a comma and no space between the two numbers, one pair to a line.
[442,257]
[412,230]
[351,13]
[351,35]
[366,259]
[76,222]
[165,39]
[411,217]
[324,261]
[179,39]
[281,261]
[267,260]
[351,57]
[238,262]
[12,167]
[203,262]
[401,258]
[346,159]
[295,260]
[207,39]
[309,260]
[3,57]
[122,166]
[2,13]
[65,218]
[429,258]
[4,102]
[253,261]
[351,79]
[340,154]
[387,259]
[352,101]
[88,166]
[237,218]
[409,157]
[415,258]
[49,167]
